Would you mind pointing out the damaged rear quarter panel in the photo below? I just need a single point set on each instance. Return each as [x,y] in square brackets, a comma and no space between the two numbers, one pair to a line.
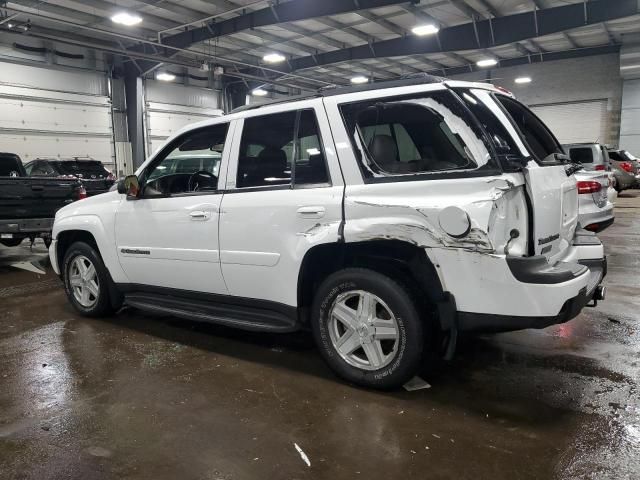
[408,211]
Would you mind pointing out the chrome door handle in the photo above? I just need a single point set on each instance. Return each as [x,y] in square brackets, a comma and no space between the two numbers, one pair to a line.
[199,215]
[311,212]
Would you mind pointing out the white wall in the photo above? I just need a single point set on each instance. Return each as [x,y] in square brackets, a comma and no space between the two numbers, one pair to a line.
[565,81]
[170,107]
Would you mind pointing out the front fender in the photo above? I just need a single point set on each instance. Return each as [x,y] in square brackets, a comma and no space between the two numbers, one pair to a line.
[103,236]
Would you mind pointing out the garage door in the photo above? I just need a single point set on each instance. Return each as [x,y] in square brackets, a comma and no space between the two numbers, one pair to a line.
[576,122]
[172,107]
[55,113]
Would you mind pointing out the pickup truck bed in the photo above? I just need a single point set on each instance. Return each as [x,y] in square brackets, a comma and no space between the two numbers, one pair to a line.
[28,204]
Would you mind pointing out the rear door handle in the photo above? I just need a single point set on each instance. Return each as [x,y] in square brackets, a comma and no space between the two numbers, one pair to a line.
[199,215]
[311,212]
[37,188]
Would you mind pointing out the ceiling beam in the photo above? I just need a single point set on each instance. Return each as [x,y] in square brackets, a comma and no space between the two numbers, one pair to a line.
[482,34]
[273,15]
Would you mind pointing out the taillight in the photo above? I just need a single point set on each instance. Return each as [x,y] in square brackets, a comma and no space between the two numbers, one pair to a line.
[82,193]
[599,167]
[626,166]
[589,186]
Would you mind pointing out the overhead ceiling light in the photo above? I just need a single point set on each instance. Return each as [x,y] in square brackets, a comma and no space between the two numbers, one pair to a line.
[10,25]
[127,19]
[359,79]
[487,62]
[523,80]
[259,92]
[166,77]
[274,58]
[428,29]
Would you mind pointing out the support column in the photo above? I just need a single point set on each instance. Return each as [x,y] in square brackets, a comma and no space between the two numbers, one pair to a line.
[135,112]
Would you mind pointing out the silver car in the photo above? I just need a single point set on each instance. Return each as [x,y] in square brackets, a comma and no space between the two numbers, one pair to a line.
[595,157]
[625,161]
[595,210]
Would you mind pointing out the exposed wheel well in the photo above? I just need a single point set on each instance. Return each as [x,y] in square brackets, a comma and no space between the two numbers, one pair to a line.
[403,261]
[69,237]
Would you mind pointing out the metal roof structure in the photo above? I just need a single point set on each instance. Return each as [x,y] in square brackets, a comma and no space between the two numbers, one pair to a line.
[329,41]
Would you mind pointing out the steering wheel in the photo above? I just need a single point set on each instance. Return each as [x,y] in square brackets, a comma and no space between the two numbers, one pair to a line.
[200,179]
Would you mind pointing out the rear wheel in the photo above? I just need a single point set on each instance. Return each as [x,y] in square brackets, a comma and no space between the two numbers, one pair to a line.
[368,328]
[86,281]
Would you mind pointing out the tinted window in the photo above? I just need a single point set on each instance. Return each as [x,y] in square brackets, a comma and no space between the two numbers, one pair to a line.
[81,168]
[41,169]
[581,155]
[613,155]
[281,149]
[501,138]
[10,166]
[190,164]
[415,134]
[536,135]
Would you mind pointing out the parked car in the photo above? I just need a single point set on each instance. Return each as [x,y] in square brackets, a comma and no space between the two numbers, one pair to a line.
[27,204]
[595,157]
[385,218]
[93,174]
[595,211]
[627,162]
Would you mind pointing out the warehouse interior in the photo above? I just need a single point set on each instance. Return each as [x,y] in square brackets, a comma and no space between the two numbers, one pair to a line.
[135,396]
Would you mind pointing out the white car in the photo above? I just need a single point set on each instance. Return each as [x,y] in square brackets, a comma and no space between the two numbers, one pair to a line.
[595,211]
[385,218]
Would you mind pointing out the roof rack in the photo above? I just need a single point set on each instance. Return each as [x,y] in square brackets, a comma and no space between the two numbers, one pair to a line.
[332,90]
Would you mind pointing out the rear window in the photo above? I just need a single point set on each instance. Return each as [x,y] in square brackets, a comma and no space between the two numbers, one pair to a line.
[541,142]
[10,166]
[581,154]
[419,134]
[84,168]
[616,156]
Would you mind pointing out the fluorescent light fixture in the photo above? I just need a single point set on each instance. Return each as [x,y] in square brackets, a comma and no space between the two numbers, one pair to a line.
[165,77]
[359,79]
[274,58]
[313,151]
[259,92]
[429,29]
[487,62]
[523,80]
[10,25]
[127,19]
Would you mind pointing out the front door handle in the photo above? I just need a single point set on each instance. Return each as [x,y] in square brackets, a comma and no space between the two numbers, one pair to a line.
[199,215]
[311,212]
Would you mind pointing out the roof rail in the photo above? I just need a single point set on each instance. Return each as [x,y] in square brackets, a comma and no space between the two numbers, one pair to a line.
[331,90]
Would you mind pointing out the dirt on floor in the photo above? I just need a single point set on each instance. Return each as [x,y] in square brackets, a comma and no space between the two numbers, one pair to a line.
[143,397]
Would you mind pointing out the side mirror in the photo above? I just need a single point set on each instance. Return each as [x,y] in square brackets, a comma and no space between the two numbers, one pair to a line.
[129,186]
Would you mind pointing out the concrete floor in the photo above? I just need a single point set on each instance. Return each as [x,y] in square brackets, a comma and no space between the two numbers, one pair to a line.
[153,398]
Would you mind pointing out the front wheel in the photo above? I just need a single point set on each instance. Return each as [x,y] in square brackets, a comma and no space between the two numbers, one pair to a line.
[86,281]
[368,328]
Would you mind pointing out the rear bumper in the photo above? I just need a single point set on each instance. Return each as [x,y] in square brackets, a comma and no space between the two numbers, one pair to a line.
[503,323]
[494,293]
[24,227]
[596,219]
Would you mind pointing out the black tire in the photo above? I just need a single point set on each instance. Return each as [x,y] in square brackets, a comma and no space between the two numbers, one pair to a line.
[103,305]
[405,362]
[11,242]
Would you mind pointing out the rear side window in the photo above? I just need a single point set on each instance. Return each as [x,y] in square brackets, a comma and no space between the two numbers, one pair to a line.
[581,154]
[281,149]
[536,135]
[418,134]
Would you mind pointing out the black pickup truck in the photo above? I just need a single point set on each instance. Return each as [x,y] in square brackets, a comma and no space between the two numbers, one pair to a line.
[28,205]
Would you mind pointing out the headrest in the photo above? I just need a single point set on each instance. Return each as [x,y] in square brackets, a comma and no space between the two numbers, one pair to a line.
[383,149]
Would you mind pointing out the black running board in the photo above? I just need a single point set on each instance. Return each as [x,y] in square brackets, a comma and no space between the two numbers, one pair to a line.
[245,317]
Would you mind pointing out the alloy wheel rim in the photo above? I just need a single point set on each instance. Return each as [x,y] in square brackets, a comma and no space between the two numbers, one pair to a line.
[363,330]
[83,280]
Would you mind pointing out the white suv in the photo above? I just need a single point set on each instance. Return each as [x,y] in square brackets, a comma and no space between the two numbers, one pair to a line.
[385,218]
